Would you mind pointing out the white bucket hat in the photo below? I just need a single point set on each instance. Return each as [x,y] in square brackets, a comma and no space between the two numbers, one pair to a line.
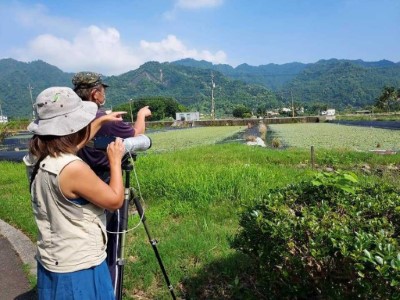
[60,112]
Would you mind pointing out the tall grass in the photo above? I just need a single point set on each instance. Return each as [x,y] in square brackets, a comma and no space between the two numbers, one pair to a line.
[193,197]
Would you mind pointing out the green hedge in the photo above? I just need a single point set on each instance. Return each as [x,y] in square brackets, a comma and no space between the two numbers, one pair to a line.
[330,238]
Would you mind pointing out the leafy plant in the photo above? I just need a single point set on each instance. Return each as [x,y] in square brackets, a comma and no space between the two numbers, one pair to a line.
[338,180]
[329,237]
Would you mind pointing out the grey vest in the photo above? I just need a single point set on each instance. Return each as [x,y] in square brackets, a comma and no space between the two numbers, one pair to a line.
[71,237]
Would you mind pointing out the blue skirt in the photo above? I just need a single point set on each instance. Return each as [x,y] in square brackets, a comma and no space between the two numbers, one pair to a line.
[93,283]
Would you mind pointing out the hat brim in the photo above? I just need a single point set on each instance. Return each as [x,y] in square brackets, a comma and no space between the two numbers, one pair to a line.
[67,123]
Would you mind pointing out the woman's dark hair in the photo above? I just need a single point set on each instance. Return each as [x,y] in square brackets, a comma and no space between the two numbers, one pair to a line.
[42,146]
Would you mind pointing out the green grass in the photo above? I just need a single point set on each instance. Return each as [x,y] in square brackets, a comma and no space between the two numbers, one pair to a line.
[15,198]
[192,198]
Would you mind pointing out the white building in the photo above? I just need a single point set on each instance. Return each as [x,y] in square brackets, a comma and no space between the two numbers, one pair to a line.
[330,112]
[187,116]
[3,119]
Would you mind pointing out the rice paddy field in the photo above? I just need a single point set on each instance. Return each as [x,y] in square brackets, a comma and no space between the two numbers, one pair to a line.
[172,140]
[336,136]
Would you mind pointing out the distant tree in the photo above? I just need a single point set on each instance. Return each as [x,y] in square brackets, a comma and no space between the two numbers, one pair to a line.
[316,108]
[161,108]
[241,111]
[389,99]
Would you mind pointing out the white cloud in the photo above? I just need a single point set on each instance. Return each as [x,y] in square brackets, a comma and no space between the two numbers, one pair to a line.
[190,5]
[195,4]
[101,50]
[171,49]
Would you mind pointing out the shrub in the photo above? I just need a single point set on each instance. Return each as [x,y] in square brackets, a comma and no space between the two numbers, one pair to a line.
[241,111]
[330,237]
[3,132]
[276,143]
[262,129]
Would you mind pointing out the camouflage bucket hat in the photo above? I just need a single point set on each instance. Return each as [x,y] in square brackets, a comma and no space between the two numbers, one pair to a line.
[87,80]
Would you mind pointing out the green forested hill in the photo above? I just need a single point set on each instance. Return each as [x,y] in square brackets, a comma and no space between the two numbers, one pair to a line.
[337,83]
[343,83]
[189,86]
[272,76]
[16,77]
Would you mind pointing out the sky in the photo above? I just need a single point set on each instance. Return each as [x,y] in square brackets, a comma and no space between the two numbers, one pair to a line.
[115,36]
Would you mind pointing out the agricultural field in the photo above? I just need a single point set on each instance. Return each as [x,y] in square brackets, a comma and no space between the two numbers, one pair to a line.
[194,183]
[335,136]
[172,140]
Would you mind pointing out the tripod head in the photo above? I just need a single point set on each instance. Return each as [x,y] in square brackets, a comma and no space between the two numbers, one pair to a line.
[126,162]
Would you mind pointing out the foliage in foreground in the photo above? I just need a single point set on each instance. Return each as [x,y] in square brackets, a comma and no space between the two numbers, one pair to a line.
[330,237]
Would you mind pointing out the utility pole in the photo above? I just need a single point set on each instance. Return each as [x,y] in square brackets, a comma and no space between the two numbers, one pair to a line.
[130,106]
[212,97]
[33,107]
[291,94]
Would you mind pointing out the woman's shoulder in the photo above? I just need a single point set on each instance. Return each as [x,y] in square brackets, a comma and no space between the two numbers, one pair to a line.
[56,164]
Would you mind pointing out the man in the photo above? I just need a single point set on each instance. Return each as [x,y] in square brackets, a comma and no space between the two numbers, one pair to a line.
[90,87]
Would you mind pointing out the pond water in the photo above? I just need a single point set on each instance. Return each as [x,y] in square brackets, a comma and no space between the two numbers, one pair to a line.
[15,147]
[376,124]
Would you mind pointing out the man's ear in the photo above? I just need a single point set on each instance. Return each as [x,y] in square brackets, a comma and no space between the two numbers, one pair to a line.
[92,94]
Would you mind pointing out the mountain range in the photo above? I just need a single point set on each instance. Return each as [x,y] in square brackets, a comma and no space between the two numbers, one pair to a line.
[335,83]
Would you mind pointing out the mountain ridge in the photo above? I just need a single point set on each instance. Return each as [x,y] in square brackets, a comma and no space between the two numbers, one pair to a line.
[339,83]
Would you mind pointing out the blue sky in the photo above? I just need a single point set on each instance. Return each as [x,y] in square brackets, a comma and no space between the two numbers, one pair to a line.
[116,36]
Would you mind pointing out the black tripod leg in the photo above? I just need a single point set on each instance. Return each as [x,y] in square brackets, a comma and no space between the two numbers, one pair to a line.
[113,245]
[153,242]
[121,236]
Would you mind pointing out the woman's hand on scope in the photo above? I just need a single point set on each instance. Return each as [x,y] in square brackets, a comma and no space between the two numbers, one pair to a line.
[115,151]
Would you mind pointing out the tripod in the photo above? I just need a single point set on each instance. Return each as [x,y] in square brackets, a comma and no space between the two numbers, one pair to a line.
[130,196]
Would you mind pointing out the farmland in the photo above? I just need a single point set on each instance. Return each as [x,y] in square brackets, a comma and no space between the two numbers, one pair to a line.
[194,187]
[336,136]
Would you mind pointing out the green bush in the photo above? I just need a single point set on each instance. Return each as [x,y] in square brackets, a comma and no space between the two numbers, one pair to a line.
[3,132]
[331,237]
[241,111]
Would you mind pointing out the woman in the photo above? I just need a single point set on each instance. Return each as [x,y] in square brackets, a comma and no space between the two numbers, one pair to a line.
[69,200]
[90,86]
